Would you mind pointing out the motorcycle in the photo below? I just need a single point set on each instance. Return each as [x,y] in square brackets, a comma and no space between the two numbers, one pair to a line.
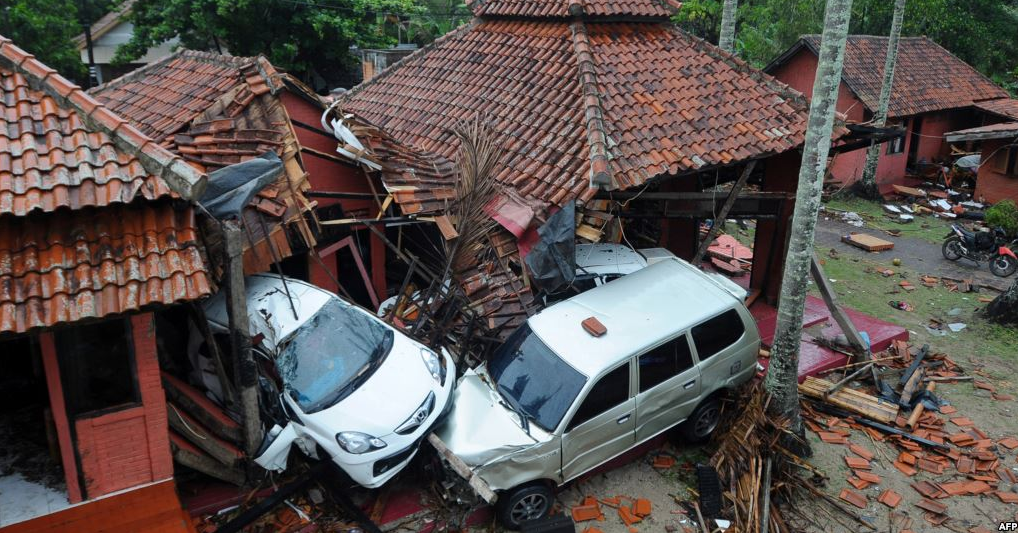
[981,246]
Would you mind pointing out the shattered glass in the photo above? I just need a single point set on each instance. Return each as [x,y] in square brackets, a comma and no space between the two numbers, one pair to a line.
[331,355]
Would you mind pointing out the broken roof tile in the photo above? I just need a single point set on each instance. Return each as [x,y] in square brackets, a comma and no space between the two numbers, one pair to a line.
[889,498]
[853,498]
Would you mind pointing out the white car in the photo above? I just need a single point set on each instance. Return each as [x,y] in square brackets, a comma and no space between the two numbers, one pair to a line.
[352,385]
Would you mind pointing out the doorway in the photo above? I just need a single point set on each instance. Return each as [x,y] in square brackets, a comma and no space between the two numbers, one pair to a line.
[32,482]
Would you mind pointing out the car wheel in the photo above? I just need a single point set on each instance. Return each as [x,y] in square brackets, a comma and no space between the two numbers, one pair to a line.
[704,420]
[951,249]
[1003,265]
[522,504]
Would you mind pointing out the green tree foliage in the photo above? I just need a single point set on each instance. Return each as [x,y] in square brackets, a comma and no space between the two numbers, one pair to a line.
[46,30]
[1005,216]
[309,38]
[980,32]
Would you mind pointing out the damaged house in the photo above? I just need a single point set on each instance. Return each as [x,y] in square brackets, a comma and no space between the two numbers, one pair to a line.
[97,234]
[607,104]
[934,92]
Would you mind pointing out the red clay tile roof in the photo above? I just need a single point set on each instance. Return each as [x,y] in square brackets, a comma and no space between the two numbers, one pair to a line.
[61,148]
[926,78]
[88,223]
[1005,107]
[572,100]
[567,8]
[163,97]
[72,265]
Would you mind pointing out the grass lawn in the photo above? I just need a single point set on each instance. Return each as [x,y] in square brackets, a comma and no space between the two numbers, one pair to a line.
[860,285]
[925,227]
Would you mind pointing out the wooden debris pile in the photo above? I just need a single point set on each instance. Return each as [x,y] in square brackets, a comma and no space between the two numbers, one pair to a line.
[946,457]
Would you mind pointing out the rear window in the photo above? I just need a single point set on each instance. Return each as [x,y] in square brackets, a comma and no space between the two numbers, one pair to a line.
[718,333]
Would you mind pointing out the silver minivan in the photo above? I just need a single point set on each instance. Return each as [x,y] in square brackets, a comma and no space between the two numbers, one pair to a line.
[554,401]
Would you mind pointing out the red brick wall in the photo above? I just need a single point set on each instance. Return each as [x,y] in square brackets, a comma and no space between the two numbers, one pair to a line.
[799,73]
[152,509]
[129,447]
[991,185]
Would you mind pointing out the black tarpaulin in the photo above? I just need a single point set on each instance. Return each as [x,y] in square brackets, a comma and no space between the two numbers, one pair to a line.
[231,188]
[552,261]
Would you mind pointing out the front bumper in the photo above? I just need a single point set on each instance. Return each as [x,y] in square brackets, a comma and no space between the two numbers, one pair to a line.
[374,469]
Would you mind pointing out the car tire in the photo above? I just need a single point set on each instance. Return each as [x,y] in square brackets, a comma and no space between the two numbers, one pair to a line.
[524,503]
[951,249]
[702,423]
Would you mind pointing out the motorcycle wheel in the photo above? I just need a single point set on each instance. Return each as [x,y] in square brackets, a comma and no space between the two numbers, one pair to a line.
[1003,265]
[951,249]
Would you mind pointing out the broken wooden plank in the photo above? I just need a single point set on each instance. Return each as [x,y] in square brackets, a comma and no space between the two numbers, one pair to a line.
[867,242]
[852,400]
[722,215]
[480,487]
[187,454]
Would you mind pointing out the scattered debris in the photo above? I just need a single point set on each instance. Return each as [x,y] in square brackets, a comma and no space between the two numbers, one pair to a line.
[867,242]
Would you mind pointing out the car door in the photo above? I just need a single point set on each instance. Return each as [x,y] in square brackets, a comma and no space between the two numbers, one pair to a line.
[668,387]
[602,427]
[718,349]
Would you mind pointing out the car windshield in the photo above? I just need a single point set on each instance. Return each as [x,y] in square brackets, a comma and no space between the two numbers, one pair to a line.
[533,379]
[331,355]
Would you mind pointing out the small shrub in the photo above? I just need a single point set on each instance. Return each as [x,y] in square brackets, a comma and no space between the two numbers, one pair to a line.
[1005,215]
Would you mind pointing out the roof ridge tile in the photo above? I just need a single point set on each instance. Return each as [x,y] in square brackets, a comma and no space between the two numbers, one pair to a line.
[187,182]
[600,172]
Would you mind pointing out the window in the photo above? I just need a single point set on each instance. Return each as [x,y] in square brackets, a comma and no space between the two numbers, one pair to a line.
[532,378]
[97,366]
[1005,160]
[717,334]
[608,392]
[896,145]
[664,362]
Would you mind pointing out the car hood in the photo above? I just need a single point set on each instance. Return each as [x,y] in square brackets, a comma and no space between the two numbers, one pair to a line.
[386,399]
[479,429]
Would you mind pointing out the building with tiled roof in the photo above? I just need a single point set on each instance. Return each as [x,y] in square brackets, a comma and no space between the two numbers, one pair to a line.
[933,92]
[587,98]
[583,92]
[97,233]
[997,145]
[213,111]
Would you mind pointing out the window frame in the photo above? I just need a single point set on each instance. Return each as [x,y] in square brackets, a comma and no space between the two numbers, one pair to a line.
[686,336]
[700,358]
[895,146]
[132,361]
[627,365]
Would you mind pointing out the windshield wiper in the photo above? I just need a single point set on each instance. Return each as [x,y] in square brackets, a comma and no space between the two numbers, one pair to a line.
[511,404]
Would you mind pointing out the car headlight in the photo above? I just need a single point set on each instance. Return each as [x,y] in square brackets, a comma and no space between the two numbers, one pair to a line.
[433,363]
[358,443]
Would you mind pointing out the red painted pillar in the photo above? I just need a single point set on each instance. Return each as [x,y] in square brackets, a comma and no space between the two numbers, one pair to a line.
[56,402]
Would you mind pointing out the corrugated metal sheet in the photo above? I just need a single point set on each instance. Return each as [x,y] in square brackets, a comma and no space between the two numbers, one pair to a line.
[72,265]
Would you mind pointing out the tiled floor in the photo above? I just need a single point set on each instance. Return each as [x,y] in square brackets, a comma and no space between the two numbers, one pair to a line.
[22,500]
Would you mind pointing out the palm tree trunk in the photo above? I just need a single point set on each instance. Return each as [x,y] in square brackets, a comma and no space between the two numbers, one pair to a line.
[869,173]
[782,374]
[726,41]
